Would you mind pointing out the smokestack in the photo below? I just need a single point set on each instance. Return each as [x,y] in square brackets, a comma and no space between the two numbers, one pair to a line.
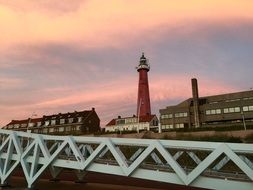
[195,97]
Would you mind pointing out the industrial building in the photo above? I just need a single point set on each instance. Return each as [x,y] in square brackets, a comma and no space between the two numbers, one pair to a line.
[74,123]
[225,110]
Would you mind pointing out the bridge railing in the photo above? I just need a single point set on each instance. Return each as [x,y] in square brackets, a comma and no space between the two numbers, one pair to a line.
[201,164]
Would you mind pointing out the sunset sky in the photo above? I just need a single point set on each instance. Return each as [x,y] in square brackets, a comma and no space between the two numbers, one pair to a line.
[63,55]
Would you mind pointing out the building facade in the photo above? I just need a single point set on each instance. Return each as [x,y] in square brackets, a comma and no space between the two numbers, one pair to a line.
[74,123]
[226,110]
[126,124]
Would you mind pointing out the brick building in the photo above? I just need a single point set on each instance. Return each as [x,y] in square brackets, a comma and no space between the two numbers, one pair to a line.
[74,123]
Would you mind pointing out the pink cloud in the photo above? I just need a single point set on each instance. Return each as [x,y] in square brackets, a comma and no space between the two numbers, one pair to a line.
[7,83]
[49,6]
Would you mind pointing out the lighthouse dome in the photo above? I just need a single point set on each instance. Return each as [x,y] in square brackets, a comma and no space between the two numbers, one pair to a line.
[143,63]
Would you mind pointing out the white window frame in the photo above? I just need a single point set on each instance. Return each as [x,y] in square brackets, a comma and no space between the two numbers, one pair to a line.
[79,119]
[47,123]
[71,120]
[218,111]
[62,121]
[237,109]
[53,122]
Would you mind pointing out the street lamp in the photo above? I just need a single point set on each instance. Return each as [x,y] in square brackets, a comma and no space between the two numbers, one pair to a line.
[243,119]
[29,120]
[138,116]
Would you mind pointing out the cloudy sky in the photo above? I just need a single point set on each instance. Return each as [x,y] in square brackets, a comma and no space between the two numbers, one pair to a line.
[63,55]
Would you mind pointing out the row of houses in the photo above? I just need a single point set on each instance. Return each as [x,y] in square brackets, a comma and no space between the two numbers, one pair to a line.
[74,123]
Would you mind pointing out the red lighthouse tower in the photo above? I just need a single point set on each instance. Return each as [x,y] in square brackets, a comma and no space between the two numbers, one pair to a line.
[143,101]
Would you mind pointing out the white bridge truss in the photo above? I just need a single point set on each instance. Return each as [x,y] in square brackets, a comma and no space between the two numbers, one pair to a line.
[209,165]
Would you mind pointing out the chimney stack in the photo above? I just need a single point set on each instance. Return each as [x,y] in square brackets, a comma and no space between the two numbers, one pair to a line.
[195,97]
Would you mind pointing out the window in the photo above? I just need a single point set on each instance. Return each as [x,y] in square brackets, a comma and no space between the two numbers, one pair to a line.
[61,129]
[179,125]
[183,114]
[237,109]
[167,126]
[38,124]
[120,121]
[79,119]
[62,121]
[23,125]
[247,108]
[232,110]
[131,120]
[248,98]
[31,124]
[208,112]
[9,126]
[46,123]
[51,130]
[68,128]
[53,122]
[71,120]
[218,111]
[166,116]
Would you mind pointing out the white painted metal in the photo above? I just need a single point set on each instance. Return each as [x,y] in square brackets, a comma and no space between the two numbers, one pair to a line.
[36,153]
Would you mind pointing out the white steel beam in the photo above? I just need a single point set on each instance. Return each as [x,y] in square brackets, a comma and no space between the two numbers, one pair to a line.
[87,154]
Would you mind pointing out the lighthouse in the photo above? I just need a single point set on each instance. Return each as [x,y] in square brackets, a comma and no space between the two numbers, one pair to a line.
[145,121]
[143,101]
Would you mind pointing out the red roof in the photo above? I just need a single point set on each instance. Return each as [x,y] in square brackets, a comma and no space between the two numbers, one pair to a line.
[144,118]
[84,114]
[24,121]
[112,122]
